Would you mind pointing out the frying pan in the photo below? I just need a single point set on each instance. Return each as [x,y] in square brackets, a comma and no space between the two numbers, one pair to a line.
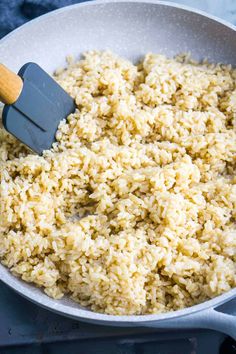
[130,28]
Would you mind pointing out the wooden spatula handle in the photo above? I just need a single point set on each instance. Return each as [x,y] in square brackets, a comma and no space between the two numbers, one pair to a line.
[10,85]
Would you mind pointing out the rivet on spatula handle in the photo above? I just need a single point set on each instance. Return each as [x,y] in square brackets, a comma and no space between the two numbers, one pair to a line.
[10,85]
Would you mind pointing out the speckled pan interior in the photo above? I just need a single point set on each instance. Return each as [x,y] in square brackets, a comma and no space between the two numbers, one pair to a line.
[131,29]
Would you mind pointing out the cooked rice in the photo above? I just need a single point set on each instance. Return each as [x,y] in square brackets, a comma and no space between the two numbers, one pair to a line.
[147,162]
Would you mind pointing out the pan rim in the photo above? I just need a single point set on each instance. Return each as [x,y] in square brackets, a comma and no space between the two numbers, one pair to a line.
[49,303]
[104,2]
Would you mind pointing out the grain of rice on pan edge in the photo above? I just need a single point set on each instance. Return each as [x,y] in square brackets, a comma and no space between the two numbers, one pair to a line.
[147,162]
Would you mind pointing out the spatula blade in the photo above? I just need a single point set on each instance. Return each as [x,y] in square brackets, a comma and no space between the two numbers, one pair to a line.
[42,104]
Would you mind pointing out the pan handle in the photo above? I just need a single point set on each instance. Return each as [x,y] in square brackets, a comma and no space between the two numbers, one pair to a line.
[210,319]
[215,320]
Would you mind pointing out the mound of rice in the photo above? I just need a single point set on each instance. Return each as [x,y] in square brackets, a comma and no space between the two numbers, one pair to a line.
[133,210]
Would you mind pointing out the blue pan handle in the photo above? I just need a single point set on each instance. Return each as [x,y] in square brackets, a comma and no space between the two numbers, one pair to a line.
[210,319]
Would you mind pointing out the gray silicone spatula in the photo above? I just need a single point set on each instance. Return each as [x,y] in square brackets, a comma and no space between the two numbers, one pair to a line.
[34,105]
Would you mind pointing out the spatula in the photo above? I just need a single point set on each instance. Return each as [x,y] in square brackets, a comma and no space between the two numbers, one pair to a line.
[34,105]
